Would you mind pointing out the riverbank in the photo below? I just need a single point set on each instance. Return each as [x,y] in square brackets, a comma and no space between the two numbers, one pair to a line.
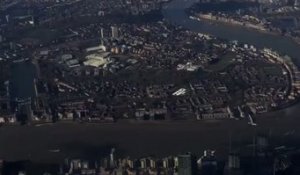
[236,23]
[258,26]
[231,22]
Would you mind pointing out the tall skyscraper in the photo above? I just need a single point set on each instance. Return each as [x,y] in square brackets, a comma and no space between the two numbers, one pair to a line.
[102,33]
[114,32]
[185,164]
[102,36]
[233,161]
[297,3]
[112,158]
[7,18]
[24,114]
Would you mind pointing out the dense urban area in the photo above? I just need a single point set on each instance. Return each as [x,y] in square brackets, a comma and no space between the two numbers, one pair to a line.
[86,63]
[107,61]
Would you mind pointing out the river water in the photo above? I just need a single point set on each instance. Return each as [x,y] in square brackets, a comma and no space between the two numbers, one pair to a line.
[161,139]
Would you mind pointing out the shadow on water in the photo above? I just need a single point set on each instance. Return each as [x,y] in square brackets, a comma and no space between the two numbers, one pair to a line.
[90,151]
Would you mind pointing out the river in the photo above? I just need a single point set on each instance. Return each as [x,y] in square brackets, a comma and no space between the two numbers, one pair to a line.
[161,139]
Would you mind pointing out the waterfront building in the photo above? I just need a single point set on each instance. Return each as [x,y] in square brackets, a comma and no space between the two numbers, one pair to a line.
[208,164]
[112,158]
[185,164]
[233,166]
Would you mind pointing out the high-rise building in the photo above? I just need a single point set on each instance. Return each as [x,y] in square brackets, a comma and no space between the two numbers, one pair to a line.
[1,166]
[112,158]
[102,36]
[233,161]
[114,32]
[233,166]
[102,33]
[7,18]
[185,164]
[297,3]
[24,114]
